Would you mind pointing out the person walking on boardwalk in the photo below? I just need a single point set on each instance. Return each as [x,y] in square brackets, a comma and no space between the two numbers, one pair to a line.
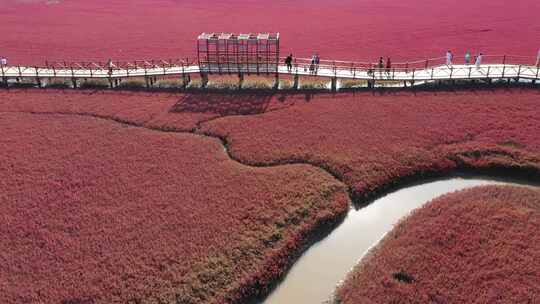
[288,62]
[388,66]
[380,65]
[312,65]
[110,66]
[478,60]
[317,62]
[467,58]
[449,57]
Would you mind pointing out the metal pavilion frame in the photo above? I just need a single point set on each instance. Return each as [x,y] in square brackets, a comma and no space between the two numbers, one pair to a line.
[238,53]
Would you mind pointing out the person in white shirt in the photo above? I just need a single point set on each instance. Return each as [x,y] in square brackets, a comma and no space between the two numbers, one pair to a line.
[478,61]
[449,58]
[110,66]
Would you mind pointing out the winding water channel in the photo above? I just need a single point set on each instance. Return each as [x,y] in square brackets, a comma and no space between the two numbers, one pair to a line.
[313,278]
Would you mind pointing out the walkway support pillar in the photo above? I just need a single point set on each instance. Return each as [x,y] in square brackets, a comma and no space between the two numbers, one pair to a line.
[186,79]
[38,82]
[111,83]
[147,82]
[334,84]
[240,80]
[276,82]
[204,80]
[74,82]
[4,79]
[296,82]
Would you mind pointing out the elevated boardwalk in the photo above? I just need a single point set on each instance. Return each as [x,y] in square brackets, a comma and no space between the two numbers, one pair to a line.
[495,67]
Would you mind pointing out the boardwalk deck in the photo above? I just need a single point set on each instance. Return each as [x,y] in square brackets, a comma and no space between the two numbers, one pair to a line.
[442,72]
[419,71]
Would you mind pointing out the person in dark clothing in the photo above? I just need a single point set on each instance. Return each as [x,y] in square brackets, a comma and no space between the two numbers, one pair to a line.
[380,65]
[288,62]
[388,65]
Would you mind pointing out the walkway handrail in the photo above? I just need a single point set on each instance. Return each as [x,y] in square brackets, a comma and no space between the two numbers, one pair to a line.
[339,64]
[492,67]
[426,63]
[126,65]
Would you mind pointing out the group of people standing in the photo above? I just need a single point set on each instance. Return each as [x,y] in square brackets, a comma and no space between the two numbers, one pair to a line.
[477,59]
[386,67]
[313,65]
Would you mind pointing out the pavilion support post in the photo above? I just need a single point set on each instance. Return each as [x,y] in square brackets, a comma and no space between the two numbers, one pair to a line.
[276,82]
[296,82]
[111,83]
[74,82]
[204,80]
[5,81]
[334,84]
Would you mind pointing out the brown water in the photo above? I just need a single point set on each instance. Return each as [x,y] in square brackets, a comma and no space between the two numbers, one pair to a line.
[313,278]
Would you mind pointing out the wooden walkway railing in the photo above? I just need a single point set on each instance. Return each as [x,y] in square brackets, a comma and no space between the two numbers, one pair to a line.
[492,67]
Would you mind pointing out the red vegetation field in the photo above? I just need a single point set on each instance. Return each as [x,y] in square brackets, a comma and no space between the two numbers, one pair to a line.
[165,111]
[371,141]
[37,30]
[94,211]
[98,210]
[110,211]
[480,245]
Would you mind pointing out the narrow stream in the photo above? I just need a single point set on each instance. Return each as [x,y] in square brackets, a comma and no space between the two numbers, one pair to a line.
[313,278]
